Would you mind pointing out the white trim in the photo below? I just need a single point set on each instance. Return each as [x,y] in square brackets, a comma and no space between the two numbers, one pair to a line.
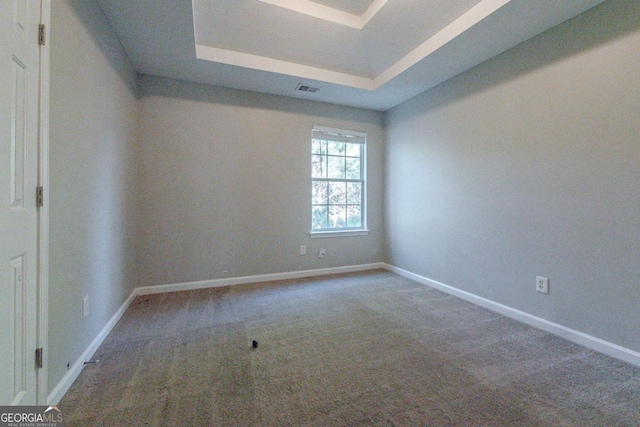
[459,26]
[42,334]
[18,399]
[66,382]
[573,335]
[346,233]
[74,371]
[372,11]
[338,131]
[320,11]
[326,133]
[157,289]
[578,337]
[331,14]
[263,63]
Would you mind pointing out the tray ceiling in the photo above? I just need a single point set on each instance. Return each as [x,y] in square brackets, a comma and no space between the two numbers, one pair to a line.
[365,53]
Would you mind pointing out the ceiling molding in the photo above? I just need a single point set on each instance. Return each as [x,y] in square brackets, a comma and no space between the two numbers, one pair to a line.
[459,26]
[372,11]
[263,63]
[408,47]
[456,28]
[320,11]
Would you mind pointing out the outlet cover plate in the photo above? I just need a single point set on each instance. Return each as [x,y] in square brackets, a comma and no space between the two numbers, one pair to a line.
[85,306]
[542,285]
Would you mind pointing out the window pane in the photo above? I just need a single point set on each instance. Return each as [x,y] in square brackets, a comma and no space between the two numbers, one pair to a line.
[353,150]
[336,148]
[337,187]
[354,216]
[354,193]
[352,168]
[318,166]
[320,193]
[337,217]
[319,217]
[337,193]
[319,146]
[336,168]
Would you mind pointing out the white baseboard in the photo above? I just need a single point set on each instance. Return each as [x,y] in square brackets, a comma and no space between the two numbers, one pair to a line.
[74,371]
[578,337]
[588,341]
[146,290]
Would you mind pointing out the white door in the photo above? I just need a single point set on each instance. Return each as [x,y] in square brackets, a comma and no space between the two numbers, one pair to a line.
[19,106]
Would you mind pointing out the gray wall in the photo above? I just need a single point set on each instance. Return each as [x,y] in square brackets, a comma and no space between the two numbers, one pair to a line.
[225,185]
[526,165]
[529,165]
[93,148]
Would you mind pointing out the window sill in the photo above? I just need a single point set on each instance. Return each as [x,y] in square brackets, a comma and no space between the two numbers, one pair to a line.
[346,233]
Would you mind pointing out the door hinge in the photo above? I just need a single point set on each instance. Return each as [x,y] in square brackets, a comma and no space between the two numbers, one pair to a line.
[39,197]
[41,34]
[39,358]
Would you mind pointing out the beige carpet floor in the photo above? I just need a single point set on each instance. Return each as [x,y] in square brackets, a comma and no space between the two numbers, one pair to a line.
[362,349]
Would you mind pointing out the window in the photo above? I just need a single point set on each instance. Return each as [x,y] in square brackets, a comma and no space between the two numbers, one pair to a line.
[338,173]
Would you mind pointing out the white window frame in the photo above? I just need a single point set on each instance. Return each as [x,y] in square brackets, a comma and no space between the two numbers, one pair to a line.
[346,231]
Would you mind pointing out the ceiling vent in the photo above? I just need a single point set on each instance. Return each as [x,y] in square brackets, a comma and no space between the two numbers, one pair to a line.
[305,88]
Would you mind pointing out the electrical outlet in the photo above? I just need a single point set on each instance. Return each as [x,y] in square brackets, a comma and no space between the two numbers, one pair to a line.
[321,253]
[85,306]
[542,285]
[303,250]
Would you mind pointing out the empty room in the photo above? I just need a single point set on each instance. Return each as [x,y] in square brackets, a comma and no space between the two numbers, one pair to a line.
[322,213]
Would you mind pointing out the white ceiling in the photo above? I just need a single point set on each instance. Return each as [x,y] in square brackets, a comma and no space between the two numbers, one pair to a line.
[365,53]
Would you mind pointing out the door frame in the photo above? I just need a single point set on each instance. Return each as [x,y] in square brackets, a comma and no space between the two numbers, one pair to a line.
[42,323]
